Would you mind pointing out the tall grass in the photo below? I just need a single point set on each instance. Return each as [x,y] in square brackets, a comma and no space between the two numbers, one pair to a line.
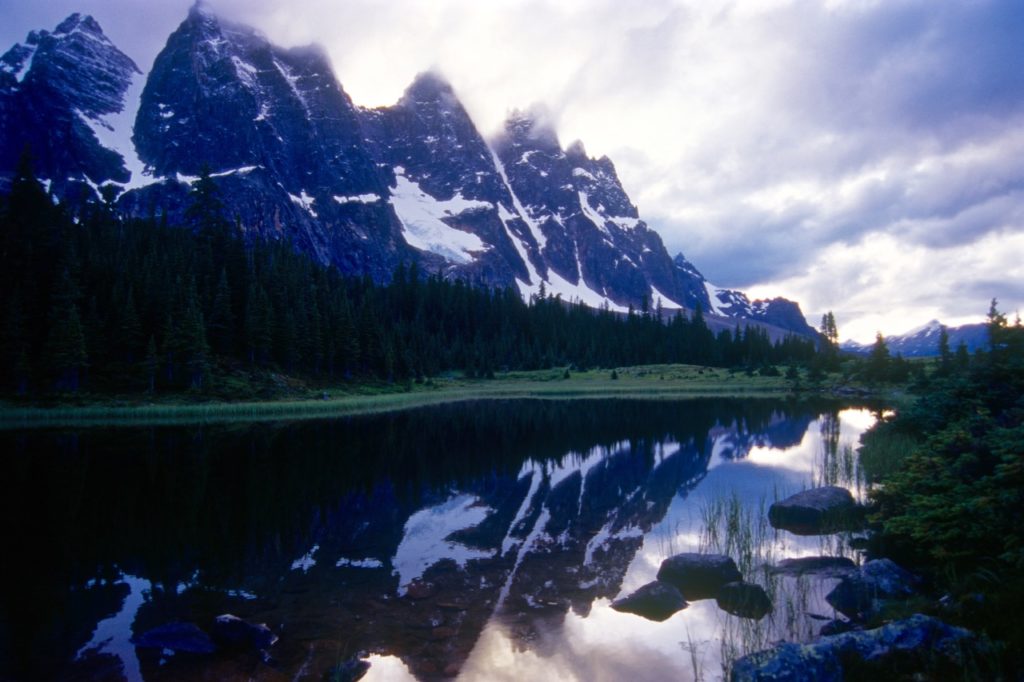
[742,532]
[634,383]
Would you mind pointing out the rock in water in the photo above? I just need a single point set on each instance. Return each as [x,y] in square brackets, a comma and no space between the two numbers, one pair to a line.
[816,511]
[858,595]
[832,566]
[919,645]
[744,600]
[699,576]
[178,637]
[233,630]
[655,601]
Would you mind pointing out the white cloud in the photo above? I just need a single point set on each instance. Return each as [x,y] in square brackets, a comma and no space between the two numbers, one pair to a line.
[886,283]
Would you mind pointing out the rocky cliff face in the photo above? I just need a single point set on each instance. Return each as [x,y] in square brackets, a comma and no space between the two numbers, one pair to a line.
[445,188]
[359,189]
[590,234]
[56,92]
[278,132]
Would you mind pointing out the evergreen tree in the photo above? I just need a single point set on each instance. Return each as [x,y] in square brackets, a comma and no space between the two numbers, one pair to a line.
[222,320]
[206,212]
[129,335]
[65,351]
[945,355]
[962,359]
[877,366]
[151,365]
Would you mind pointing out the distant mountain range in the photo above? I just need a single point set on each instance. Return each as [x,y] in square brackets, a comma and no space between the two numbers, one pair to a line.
[924,341]
[361,189]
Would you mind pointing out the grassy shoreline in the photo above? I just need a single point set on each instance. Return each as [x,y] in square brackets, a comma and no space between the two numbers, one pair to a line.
[655,382]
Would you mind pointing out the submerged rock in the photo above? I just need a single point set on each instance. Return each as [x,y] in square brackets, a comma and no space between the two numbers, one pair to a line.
[835,627]
[860,594]
[349,671]
[178,637]
[699,576]
[919,645]
[816,511]
[832,566]
[744,600]
[420,589]
[234,631]
[655,601]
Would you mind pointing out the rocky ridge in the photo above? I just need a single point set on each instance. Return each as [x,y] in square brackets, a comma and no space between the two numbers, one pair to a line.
[360,189]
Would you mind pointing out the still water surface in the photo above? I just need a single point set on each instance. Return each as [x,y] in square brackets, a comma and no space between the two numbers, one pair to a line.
[479,541]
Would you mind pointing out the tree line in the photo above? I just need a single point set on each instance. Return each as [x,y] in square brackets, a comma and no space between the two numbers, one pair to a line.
[950,499]
[93,298]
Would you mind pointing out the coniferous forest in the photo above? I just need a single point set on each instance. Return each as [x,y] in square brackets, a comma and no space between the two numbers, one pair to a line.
[99,301]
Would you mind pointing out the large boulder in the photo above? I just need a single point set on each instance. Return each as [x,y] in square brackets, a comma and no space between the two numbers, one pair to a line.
[744,600]
[654,601]
[919,645]
[178,637]
[859,595]
[816,511]
[699,576]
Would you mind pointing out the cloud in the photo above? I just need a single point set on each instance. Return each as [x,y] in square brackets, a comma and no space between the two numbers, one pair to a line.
[886,283]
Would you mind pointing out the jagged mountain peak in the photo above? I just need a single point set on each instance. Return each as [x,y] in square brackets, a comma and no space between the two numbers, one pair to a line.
[57,90]
[76,63]
[429,84]
[533,127]
[81,22]
[686,266]
[576,151]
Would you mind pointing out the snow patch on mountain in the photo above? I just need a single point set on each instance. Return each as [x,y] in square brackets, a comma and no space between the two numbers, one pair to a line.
[425,541]
[306,561]
[358,199]
[535,480]
[592,214]
[115,132]
[716,303]
[666,302]
[345,562]
[605,536]
[423,216]
[293,82]
[538,235]
[570,293]
[932,327]
[526,289]
[305,201]
[18,60]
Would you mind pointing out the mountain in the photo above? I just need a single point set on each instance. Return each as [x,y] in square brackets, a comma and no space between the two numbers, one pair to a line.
[57,91]
[280,135]
[924,341]
[360,189]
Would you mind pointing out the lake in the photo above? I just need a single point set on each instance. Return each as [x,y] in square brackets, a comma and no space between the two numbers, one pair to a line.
[477,541]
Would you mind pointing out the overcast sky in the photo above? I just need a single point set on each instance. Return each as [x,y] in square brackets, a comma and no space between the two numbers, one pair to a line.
[861,157]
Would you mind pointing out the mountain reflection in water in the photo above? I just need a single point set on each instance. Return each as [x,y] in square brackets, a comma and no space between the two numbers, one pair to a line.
[480,540]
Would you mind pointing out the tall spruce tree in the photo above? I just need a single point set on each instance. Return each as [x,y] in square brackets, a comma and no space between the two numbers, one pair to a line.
[65,351]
